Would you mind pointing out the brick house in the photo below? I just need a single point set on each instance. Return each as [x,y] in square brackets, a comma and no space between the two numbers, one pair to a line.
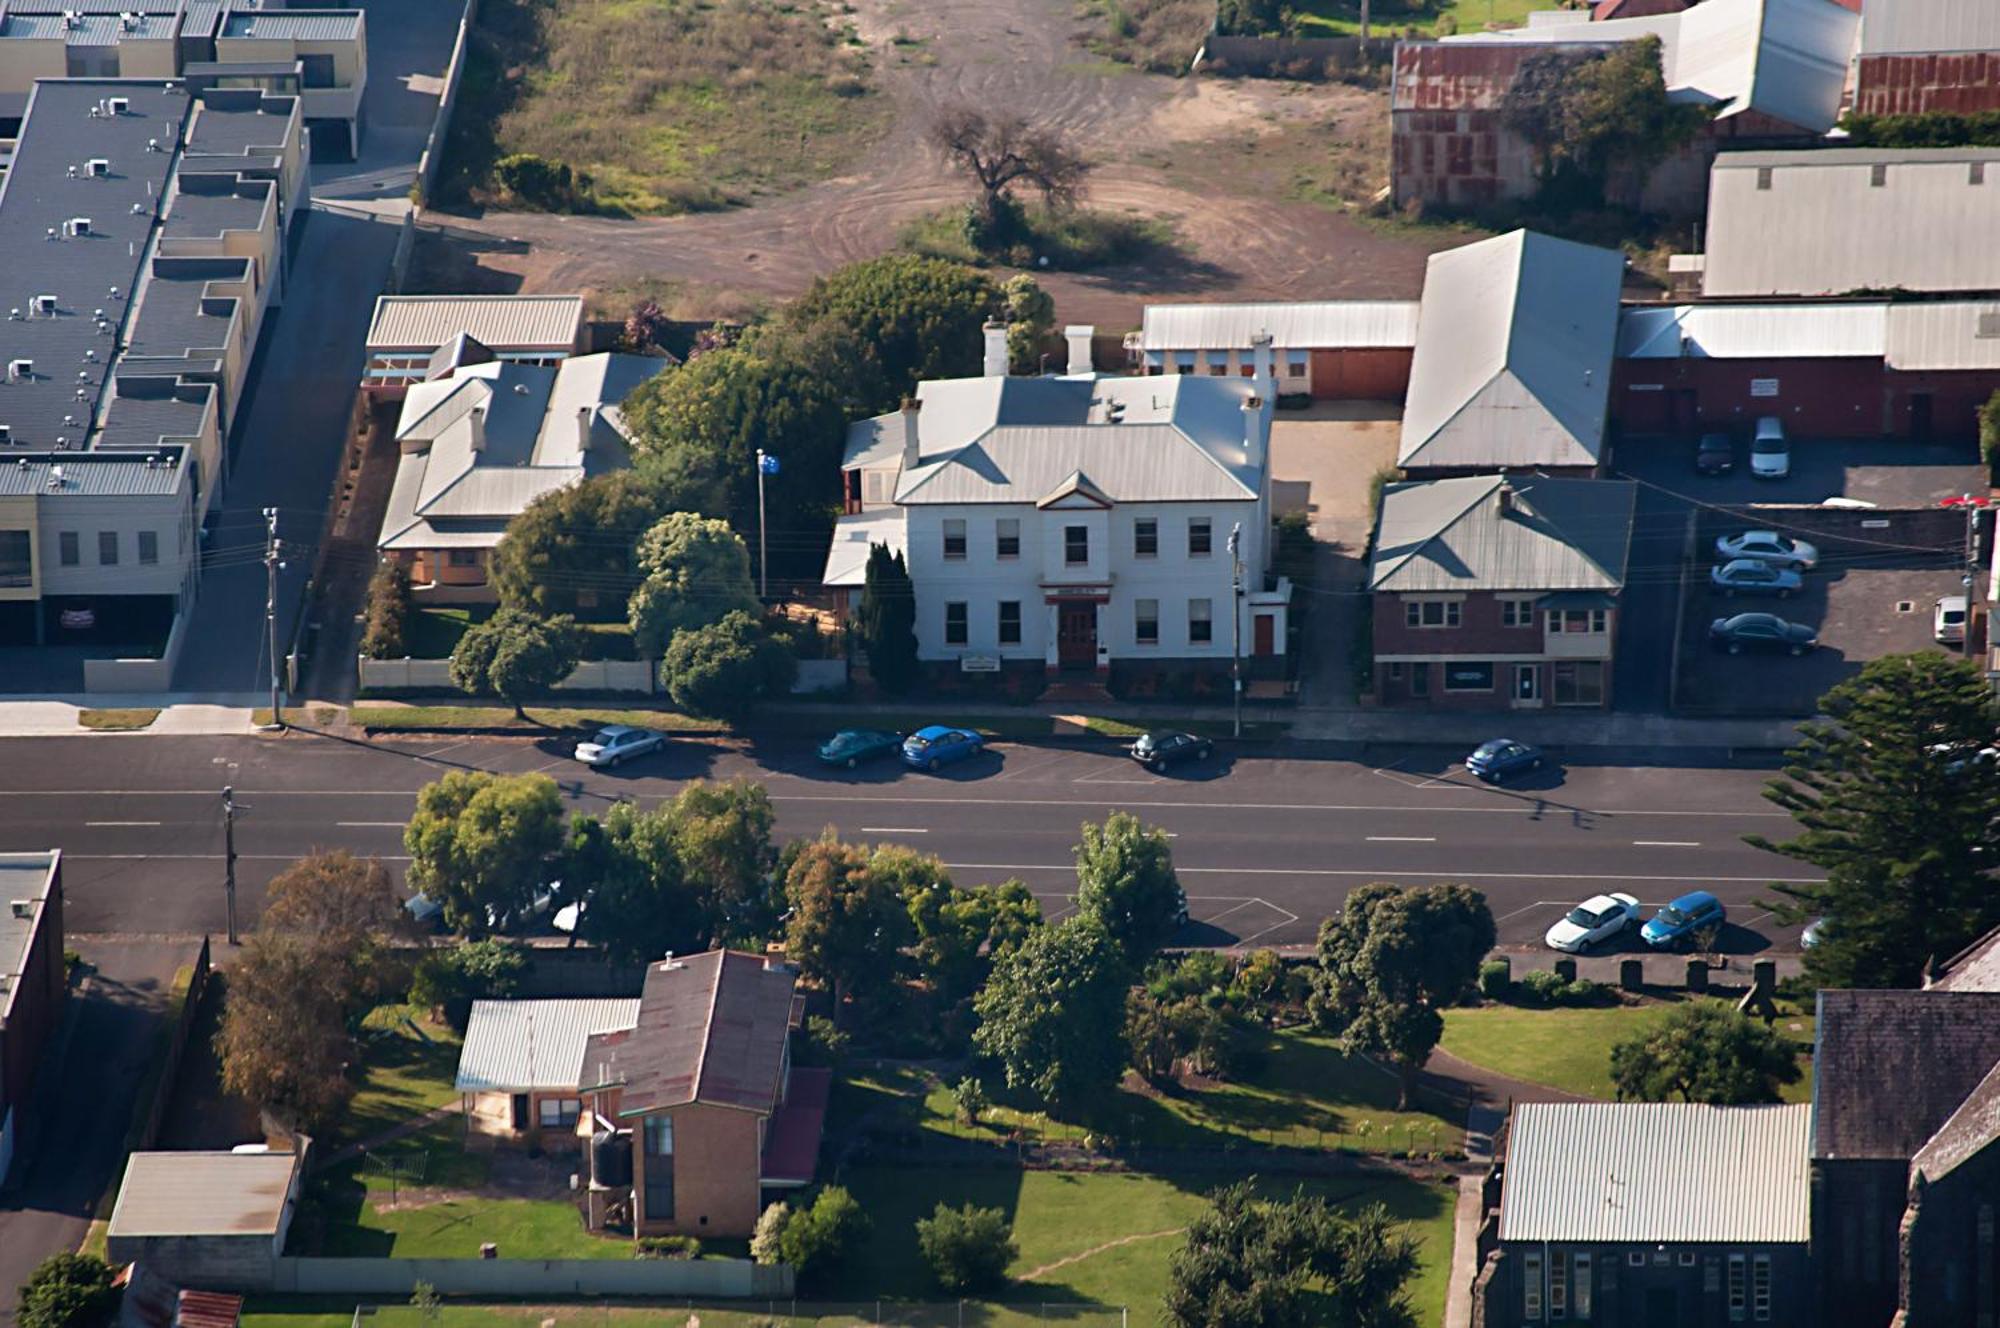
[521,1065]
[1498,593]
[33,984]
[699,1116]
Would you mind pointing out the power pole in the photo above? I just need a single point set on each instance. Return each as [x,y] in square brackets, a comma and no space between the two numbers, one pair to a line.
[763,561]
[271,566]
[229,857]
[1236,626]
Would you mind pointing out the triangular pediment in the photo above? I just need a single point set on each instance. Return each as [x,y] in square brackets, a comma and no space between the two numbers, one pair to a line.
[1073,494]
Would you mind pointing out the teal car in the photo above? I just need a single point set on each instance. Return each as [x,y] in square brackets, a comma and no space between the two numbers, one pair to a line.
[850,747]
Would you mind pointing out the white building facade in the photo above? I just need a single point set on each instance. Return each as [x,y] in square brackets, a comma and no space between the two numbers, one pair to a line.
[1078,524]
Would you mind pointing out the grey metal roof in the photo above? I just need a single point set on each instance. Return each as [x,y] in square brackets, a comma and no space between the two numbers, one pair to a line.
[24,877]
[181,309]
[1821,226]
[854,535]
[40,194]
[1898,27]
[515,1046]
[206,205]
[91,474]
[1952,334]
[294,25]
[1459,535]
[1891,1067]
[1669,1172]
[1513,358]
[151,410]
[1013,440]
[1305,325]
[504,322]
[1754,331]
[203,1194]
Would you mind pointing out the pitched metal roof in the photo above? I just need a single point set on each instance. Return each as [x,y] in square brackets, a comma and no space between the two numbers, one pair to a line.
[1892,1066]
[27,877]
[518,1046]
[712,1028]
[1658,1172]
[1547,534]
[92,474]
[1820,225]
[1898,27]
[1303,325]
[504,322]
[854,535]
[203,1194]
[1754,331]
[1013,440]
[1513,358]
[1951,334]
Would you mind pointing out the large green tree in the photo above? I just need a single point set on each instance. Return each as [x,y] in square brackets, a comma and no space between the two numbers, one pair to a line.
[1895,800]
[918,317]
[574,550]
[1390,961]
[516,655]
[1053,1013]
[727,667]
[1125,879]
[1593,117]
[637,900]
[722,835]
[961,932]
[697,571]
[284,1042]
[68,1291]
[1705,1052]
[887,621]
[847,925]
[481,843]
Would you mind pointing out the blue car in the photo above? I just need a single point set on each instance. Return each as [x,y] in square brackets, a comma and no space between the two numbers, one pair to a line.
[850,747]
[1680,921]
[935,746]
[1494,761]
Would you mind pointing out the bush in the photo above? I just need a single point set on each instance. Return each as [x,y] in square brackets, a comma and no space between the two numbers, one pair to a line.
[670,1247]
[813,1240]
[388,606]
[1989,435]
[726,668]
[1495,979]
[968,1249]
[1540,987]
[767,1241]
[450,980]
[968,1100]
[821,1042]
[68,1291]
[539,182]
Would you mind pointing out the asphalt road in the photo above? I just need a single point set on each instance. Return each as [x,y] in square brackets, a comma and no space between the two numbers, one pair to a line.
[1267,842]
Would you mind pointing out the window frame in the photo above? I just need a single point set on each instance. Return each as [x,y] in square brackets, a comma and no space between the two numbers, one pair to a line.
[1517,611]
[1145,537]
[1492,672]
[24,540]
[1003,538]
[1204,528]
[1450,613]
[1201,631]
[1076,539]
[568,1111]
[1531,1285]
[1000,623]
[1558,1287]
[1582,1289]
[149,548]
[958,617]
[69,548]
[1141,619]
[952,539]
[107,548]
[1736,1294]
[1760,1287]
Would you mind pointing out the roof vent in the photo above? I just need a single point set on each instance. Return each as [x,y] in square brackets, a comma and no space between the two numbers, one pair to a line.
[1987,327]
[120,105]
[77,226]
[152,145]
[521,389]
[62,445]
[55,477]
[22,908]
[43,304]
[1503,499]
[7,436]
[98,166]
[669,964]
[114,292]
[19,369]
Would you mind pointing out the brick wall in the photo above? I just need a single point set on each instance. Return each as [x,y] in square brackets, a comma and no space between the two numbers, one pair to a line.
[1926,84]
[717,1172]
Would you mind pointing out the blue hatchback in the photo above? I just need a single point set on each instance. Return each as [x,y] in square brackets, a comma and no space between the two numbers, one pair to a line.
[935,746]
[1494,761]
[1682,920]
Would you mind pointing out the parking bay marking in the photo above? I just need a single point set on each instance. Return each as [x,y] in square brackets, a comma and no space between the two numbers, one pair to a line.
[106,824]
[893,830]
[1666,843]
[1402,839]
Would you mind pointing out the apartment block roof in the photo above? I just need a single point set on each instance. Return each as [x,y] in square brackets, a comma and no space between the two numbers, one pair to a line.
[309,25]
[524,1046]
[1486,533]
[1891,1067]
[239,122]
[1302,325]
[504,322]
[1632,1172]
[712,1028]
[1513,358]
[25,882]
[92,474]
[203,1194]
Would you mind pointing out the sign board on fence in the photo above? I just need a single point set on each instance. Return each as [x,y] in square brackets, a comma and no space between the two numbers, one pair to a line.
[978,663]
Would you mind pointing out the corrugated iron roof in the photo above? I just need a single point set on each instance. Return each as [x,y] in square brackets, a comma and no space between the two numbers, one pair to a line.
[203,1194]
[1552,534]
[1306,325]
[504,322]
[1513,358]
[1657,1171]
[1753,331]
[28,876]
[854,535]
[1821,225]
[101,474]
[711,1028]
[1955,334]
[207,1309]
[1898,27]
[517,1046]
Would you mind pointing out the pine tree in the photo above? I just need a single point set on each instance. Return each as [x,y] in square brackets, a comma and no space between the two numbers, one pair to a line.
[887,619]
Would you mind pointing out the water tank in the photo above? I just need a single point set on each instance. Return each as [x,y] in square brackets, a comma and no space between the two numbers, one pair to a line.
[611,1158]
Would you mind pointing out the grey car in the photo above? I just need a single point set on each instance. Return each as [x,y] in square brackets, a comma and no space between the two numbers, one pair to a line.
[1748,576]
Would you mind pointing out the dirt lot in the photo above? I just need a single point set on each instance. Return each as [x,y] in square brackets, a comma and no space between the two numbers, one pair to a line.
[1230,164]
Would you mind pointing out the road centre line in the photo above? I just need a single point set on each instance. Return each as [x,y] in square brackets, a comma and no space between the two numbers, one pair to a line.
[1666,843]
[1402,839]
[352,824]
[1394,871]
[893,830]
[106,824]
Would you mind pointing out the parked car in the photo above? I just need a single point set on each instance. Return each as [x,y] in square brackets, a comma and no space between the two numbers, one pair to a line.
[1681,921]
[1957,757]
[425,911]
[1853,504]
[1157,751]
[1761,631]
[539,903]
[1767,546]
[937,745]
[1596,919]
[1496,760]
[1747,576]
[616,743]
[1714,455]
[850,747]
[1948,619]
[1770,452]
[1812,935]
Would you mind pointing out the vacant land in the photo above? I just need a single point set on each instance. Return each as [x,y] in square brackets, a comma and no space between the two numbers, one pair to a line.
[666,105]
[1388,18]
[1571,1049]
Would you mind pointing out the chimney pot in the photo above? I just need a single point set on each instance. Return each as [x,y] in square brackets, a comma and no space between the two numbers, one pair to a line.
[995,365]
[584,415]
[1078,336]
[478,415]
[912,437]
[1263,376]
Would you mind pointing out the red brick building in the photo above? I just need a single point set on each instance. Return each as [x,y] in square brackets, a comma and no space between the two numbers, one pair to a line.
[1924,56]
[33,984]
[1499,593]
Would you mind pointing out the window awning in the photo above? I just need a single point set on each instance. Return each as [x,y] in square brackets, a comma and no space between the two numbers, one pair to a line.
[1296,356]
[1156,358]
[1184,357]
[1576,599]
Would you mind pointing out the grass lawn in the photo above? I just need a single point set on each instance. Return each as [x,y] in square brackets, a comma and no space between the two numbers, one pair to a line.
[409,1063]
[390,718]
[433,631]
[1342,18]
[1571,1049]
[1303,1094]
[667,105]
[117,721]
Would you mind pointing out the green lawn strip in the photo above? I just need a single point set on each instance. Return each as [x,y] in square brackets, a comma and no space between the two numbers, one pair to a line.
[443,718]
[409,1064]
[1342,18]
[432,631]
[1571,1049]
[117,721]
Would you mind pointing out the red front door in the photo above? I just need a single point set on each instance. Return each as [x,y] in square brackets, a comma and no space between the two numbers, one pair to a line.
[1265,641]
[1076,636]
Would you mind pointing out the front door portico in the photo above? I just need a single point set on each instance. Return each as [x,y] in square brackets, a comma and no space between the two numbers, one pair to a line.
[1076,634]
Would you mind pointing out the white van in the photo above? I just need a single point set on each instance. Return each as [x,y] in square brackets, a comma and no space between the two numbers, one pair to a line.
[1770,454]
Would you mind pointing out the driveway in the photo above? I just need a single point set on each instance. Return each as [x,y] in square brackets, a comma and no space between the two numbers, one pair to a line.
[409,45]
[1884,472]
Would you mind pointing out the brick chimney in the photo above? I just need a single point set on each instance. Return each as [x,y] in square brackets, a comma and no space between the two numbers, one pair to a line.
[1256,429]
[1078,336]
[911,448]
[996,350]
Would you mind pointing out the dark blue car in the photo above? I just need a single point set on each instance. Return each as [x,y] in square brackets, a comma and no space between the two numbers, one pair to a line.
[1496,760]
[935,746]
[1679,922]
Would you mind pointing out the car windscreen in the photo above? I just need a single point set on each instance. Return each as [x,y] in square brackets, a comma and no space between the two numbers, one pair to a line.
[1673,917]
[1583,917]
[1768,446]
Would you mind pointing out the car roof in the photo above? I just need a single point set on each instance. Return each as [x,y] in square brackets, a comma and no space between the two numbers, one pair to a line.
[616,730]
[1958,602]
[1598,903]
[934,731]
[1760,534]
[1693,900]
[1717,437]
[1160,735]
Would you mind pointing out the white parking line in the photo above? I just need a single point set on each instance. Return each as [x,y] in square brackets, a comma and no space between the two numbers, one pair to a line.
[1666,843]
[112,823]
[893,830]
[1473,875]
[1402,839]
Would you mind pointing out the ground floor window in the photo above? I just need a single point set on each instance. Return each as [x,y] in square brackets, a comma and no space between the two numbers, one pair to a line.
[1468,676]
[954,624]
[659,1168]
[559,1112]
[1010,622]
[17,558]
[1578,682]
[1146,622]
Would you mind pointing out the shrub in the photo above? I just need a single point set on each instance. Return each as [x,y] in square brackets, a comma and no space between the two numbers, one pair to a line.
[813,1240]
[821,1043]
[726,668]
[671,1247]
[450,980]
[1495,978]
[1539,987]
[388,606]
[767,1241]
[968,1249]
[68,1291]
[539,182]
[1581,992]
[1446,26]
[1989,434]
[968,1100]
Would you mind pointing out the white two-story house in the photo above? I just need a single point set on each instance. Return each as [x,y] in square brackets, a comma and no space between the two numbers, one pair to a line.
[1080,524]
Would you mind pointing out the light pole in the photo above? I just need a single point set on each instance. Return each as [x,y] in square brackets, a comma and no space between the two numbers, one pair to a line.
[229,857]
[766,465]
[1236,627]
[271,566]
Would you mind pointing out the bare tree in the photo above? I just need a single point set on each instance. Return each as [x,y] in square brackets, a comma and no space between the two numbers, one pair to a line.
[1004,151]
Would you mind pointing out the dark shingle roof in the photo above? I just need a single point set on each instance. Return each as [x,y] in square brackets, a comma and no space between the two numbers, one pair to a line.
[1893,1066]
[1972,1129]
[1975,968]
[711,1028]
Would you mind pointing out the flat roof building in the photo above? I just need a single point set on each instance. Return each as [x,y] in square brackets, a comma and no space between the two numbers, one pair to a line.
[33,984]
[206,1219]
